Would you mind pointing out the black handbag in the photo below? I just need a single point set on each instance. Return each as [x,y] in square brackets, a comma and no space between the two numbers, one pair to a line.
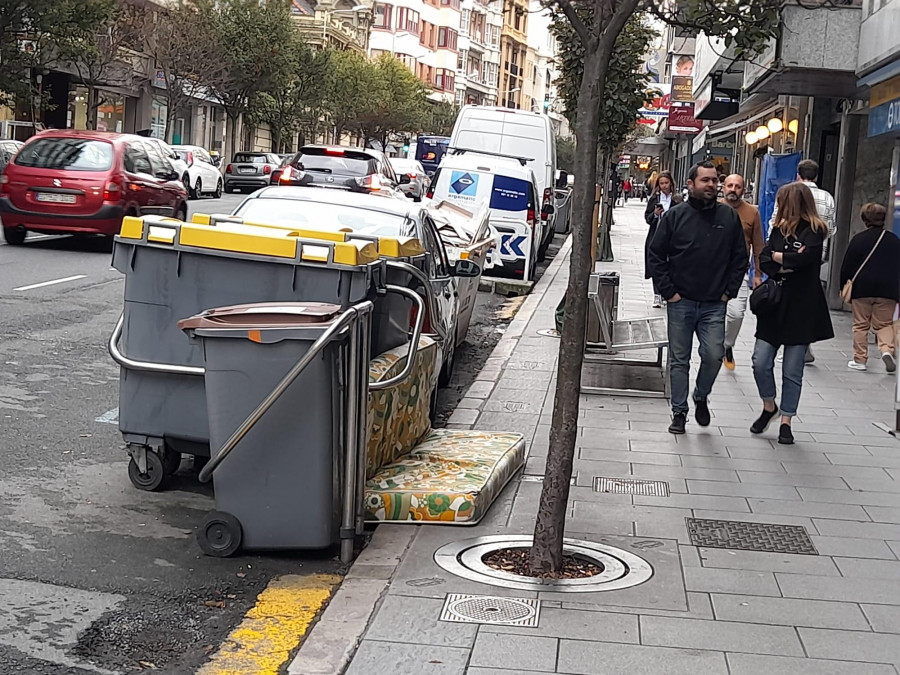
[766,297]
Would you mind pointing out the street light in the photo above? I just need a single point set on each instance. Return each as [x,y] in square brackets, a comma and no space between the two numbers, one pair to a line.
[353,10]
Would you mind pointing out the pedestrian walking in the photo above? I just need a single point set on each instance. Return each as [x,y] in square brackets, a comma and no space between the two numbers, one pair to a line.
[800,315]
[808,173]
[626,189]
[698,259]
[872,265]
[661,200]
[733,192]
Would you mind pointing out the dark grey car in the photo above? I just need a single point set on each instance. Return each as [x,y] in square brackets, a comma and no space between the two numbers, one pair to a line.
[250,170]
[330,166]
[7,150]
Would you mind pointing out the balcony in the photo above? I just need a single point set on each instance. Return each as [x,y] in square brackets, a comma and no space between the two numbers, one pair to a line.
[815,55]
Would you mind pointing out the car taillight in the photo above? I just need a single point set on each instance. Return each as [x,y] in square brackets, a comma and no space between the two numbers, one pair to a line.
[412,175]
[426,324]
[531,217]
[548,196]
[286,174]
[112,191]
[334,152]
[267,169]
[228,168]
[370,182]
[190,159]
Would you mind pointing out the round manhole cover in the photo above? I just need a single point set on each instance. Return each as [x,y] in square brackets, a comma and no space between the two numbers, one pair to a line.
[621,569]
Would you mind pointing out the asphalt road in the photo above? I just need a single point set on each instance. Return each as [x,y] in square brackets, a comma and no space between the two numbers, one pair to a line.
[96,576]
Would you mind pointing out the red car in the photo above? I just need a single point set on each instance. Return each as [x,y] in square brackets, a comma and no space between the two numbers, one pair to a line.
[84,182]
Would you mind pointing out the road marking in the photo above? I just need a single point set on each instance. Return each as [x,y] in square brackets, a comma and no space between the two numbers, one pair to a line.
[270,631]
[109,417]
[50,283]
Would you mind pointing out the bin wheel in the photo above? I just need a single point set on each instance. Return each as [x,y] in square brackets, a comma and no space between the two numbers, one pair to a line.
[153,479]
[171,462]
[220,534]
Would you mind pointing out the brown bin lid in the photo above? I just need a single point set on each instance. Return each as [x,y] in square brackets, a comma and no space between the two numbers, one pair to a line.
[264,315]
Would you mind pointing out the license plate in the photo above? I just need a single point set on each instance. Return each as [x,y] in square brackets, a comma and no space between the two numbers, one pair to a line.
[247,170]
[54,198]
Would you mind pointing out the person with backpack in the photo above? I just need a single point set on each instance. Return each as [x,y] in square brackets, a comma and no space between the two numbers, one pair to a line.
[870,281]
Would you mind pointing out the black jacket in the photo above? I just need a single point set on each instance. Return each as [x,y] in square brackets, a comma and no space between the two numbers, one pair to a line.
[699,252]
[880,278]
[653,220]
[802,316]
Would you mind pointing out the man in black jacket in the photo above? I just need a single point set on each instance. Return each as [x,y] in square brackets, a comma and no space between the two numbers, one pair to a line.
[698,259]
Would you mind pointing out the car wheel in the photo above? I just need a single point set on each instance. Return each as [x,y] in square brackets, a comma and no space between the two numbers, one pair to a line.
[447,369]
[197,192]
[14,236]
[218,193]
[186,180]
[181,213]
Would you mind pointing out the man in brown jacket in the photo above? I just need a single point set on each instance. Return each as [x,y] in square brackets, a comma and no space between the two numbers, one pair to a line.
[733,195]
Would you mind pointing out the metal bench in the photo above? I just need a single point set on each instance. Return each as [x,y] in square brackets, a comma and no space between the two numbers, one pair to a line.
[604,371]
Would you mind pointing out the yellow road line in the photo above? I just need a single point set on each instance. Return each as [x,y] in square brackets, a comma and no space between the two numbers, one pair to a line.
[283,613]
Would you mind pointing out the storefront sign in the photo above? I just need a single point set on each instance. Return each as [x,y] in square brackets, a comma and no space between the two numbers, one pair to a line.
[885,118]
[884,92]
[681,119]
[658,107]
[682,89]
[722,145]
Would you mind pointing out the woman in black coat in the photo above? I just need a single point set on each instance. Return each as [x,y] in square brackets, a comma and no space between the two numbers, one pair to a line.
[661,200]
[792,257]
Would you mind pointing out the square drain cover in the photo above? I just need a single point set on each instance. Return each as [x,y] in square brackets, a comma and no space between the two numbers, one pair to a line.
[768,537]
[464,608]
[631,486]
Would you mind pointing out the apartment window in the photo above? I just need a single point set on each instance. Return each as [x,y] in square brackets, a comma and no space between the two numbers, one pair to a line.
[494,36]
[383,15]
[408,60]
[429,35]
[447,38]
[491,73]
[461,97]
[408,20]
[453,4]
[464,21]
[461,59]
[444,79]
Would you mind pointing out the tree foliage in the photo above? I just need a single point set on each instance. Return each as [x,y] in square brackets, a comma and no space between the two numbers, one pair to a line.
[441,118]
[395,101]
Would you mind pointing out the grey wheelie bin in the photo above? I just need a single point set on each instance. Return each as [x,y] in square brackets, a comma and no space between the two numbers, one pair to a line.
[279,488]
[175,270]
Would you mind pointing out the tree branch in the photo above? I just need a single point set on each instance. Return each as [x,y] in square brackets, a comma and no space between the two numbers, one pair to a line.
[577,24]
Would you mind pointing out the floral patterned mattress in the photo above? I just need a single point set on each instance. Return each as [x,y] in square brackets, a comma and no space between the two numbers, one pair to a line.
[448,477]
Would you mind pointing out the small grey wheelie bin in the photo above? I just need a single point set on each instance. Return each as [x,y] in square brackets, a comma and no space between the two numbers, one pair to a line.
[279,488]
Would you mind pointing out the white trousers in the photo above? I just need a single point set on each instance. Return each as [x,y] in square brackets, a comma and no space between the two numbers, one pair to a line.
[734,315]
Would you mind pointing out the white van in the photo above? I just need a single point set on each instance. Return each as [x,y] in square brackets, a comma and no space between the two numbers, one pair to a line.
[510,191]
[515,133]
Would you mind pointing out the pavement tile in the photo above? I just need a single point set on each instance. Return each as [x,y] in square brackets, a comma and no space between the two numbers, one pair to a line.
[869,569]
[882,592]
[720,636]
[883,514]
[659,472]
[809,509]
[652,446]
[753,664]
[774,454]
[864,530]
[502,671]
[789,612]
[709,487]
[887,461]
[692,501]
[698,607]
[852,547]
[741,582]
[884,618]
[598,658]
[733,464]
[885,484]
[518,652]
[405,619]
[578,625]
[851,497]
[821,643]
[863,472]
[610,455]
[764,561]
[794,479]
[407,659]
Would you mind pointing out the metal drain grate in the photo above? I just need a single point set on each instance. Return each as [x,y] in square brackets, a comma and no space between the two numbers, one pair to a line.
[631,486]
[464,608]
[768,537]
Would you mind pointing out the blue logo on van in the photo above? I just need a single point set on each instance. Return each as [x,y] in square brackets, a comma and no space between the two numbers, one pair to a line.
[464,183]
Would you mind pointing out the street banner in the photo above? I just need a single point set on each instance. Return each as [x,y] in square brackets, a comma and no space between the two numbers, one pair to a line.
[682,120]
[682,89]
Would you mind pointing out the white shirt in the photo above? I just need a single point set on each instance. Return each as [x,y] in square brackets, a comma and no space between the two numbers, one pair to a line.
[665,201]
[824,206]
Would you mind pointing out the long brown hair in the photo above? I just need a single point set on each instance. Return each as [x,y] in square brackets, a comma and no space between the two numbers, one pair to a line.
[668,176]
[795,203]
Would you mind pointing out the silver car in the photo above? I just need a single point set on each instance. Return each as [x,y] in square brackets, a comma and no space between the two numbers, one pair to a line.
[7,150]
[418,179]
[375,215]
[250,170]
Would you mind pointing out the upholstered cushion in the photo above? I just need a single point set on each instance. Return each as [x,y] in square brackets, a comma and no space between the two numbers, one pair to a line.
[450,476]
[398,415]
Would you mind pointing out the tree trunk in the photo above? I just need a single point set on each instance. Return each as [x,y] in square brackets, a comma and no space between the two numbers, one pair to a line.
[231,136]
[549,528]
[604,242]
[92,108]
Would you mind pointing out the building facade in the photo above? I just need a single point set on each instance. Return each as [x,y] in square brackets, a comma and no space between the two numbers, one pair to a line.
[478,64]
[513,52]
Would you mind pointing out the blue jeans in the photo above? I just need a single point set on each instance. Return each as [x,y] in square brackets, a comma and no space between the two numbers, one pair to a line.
[707,320]
[791,374]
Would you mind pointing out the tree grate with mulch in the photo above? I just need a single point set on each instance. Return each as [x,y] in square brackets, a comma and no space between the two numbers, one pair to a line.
[515,561]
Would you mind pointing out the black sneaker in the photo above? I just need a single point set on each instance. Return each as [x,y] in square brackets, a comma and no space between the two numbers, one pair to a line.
[762,422]
[678,422]
[701,413]
[785,435]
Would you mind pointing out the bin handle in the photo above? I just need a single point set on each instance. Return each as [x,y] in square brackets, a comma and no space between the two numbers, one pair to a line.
[414,340]
[422,278]
[147,366]
[346,318]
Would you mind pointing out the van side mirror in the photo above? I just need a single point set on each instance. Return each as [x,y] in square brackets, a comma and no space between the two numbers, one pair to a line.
[562,179]
[547,210]
[466,269]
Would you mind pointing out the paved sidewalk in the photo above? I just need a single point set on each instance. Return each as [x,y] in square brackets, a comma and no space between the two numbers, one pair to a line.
[705,610]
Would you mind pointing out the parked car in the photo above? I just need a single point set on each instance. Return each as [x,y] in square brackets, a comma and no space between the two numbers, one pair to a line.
[418,179]
[202,175]
[511,133]
[7,150]
[510,190]
[84,182]
[376,215]
[429,150]
[177,162]
[251,170]
[331,166]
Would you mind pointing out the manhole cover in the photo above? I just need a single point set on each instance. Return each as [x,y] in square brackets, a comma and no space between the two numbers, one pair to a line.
[772,538]
[631,486]
[621,569]
[464,608]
